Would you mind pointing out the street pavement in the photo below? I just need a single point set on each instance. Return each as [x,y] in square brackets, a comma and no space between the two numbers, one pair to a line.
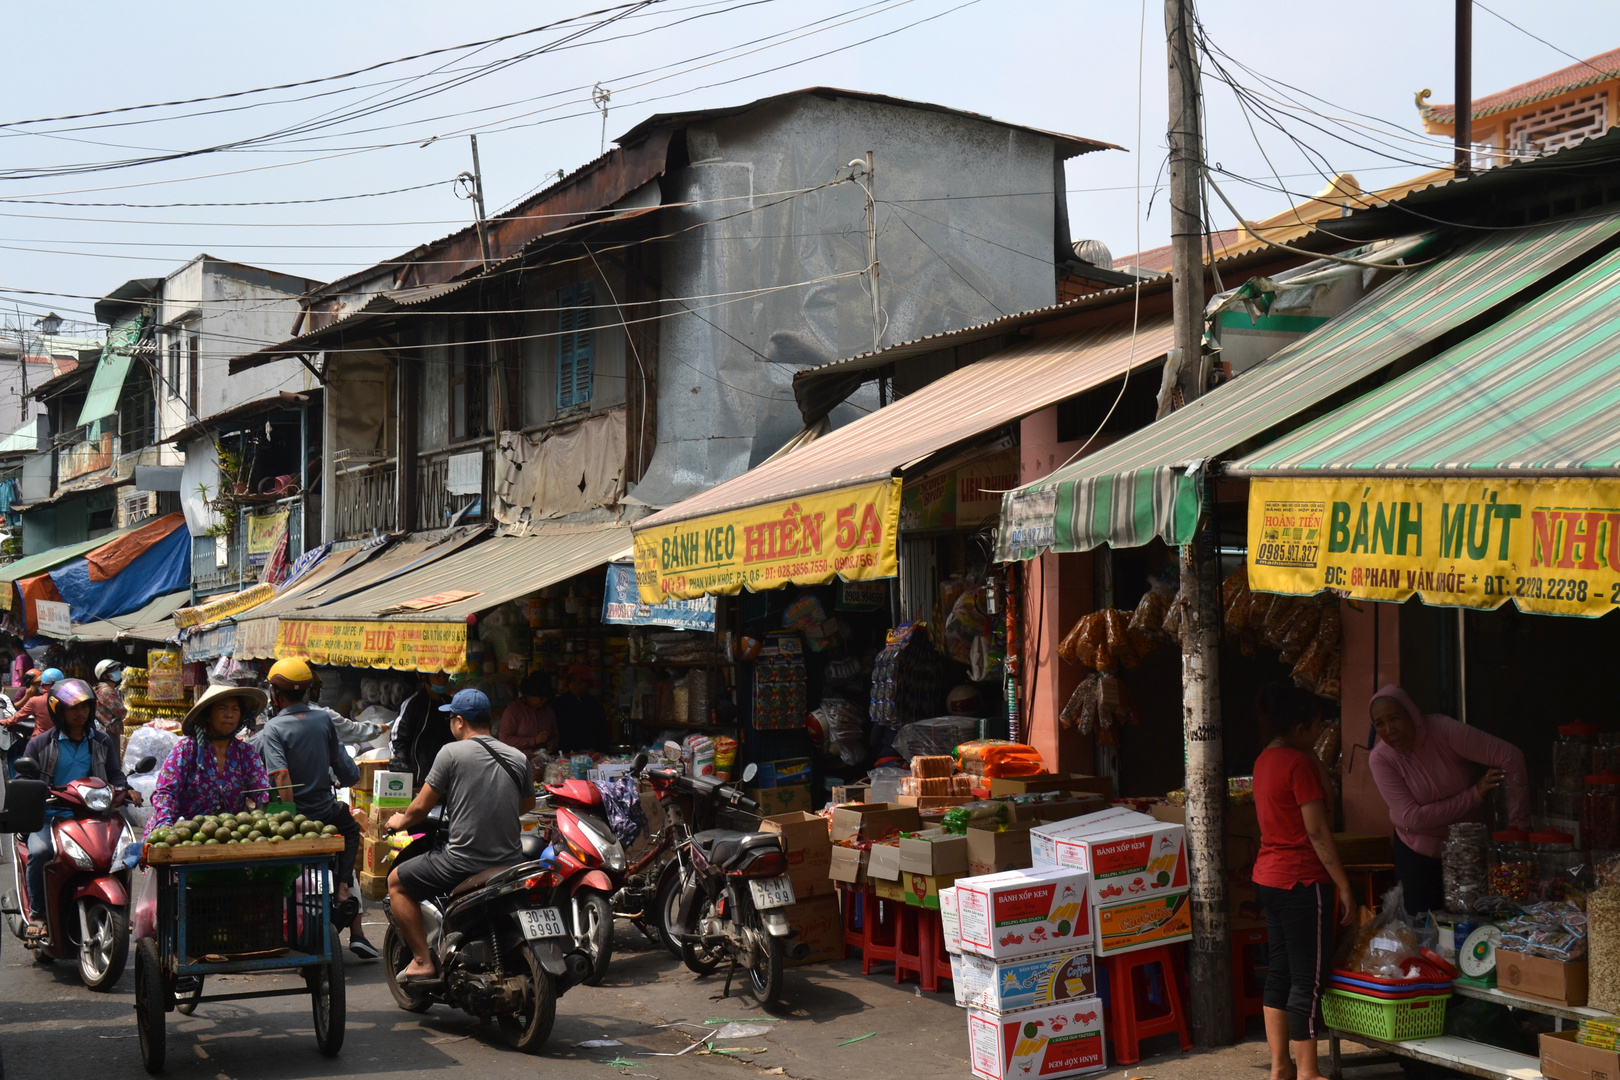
[832,1024]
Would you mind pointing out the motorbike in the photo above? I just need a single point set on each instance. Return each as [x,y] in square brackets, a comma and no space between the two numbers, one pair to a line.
[501,943]
[87,883]
[732,903]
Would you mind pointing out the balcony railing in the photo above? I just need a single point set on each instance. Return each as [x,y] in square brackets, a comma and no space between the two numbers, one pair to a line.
[365,500]
[440,494]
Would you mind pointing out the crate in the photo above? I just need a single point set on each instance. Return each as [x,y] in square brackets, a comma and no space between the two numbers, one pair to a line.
[230,918]
[1392,1021]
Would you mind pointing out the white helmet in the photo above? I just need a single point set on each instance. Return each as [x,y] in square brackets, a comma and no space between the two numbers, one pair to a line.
[106,666]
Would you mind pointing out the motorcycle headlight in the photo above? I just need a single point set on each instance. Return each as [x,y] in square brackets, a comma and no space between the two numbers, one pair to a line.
[70,847]
[613,858]
[99,799]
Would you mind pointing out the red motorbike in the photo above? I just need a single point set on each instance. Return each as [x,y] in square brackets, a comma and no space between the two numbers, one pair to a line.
[86,884]
[646,892]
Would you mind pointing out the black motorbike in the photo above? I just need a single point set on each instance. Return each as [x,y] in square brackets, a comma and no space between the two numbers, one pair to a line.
[502,945]
[734,900]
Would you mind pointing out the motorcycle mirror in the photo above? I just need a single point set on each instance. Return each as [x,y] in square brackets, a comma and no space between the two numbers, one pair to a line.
[145,765]
[25,806]
[638,764]
[27,767]
[749,772]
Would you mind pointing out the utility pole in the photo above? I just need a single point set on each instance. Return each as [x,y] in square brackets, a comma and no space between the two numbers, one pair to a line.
[1463,126]
[478,201]
[871,253]
[1209,959]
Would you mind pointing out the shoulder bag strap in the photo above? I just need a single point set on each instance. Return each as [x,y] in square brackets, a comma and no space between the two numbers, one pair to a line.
[506,766]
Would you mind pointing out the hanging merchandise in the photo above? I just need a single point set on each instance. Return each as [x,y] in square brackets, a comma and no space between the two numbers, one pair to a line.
[781,684]
[906,682]
[968,625]
[1015,724]
[1306,631]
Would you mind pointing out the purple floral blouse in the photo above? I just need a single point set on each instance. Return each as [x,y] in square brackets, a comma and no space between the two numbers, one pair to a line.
[190,781]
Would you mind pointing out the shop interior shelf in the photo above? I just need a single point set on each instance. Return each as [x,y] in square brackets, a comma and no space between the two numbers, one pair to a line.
[1475,1059]
[1546,1008]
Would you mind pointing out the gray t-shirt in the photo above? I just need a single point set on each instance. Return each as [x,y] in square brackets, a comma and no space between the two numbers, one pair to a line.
[480,801]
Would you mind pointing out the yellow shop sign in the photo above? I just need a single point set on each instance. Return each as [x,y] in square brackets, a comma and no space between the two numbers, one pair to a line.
[403,646]
[809,540]
[1550,545]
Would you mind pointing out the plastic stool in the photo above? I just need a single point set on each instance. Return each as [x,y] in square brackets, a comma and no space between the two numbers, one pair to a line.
[1126,1029]
[908,948]
[934,947]
[870,926]
[1247,994]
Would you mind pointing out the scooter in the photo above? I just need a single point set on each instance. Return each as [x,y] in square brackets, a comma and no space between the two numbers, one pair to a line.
[87,883]
[732,905]
[501,943]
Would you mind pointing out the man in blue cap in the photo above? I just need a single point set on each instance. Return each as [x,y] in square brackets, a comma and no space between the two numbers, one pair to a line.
[485,787]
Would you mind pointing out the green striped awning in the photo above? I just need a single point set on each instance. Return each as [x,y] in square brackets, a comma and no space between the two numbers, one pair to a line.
[1146,485]
[107,385]
[1535,394]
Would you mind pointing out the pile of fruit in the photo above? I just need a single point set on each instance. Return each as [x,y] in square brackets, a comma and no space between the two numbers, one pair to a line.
[256,827]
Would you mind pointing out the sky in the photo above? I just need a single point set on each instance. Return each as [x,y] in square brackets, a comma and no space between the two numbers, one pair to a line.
[1095,68]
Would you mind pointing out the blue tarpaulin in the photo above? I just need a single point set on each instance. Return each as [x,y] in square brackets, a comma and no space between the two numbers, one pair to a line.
[162,568]
[621,604]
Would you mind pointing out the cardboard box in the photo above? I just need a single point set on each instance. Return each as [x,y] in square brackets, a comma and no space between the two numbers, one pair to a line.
[376,825]
[819,926]
[846,793]
[392,789]
[848,865]
[1057,809]
[1023,912]
[934,852]
[1127,856]
[1030,983]
[933,802]
[1141,923]
[788,772]
[922,890]
[949,926]
[1564,1058]
[809,851]
[1242,847]
[883,862]
[873,821]
[886,889]
[375,856]
[992,852]
[373,886]
[781,800]
[1057,1041]
[1561,982]
[1241,820]
[1018,785]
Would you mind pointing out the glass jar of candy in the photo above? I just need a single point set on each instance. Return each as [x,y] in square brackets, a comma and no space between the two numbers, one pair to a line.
[1606,755]
[1512,865]
[1600,813]
[1557,864]
[1572,754]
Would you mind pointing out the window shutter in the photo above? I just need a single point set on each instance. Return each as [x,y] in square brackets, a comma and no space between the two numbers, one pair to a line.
[575,345]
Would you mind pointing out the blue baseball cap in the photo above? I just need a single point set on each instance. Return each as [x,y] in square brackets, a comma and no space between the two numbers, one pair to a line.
[470,705]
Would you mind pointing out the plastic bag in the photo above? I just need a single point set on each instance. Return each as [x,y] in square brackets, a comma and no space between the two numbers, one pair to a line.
[143,903]
[1236,600]
[147,740]
[1147,621]
[988,812]
[999,758]
[1087,643]
[935,735]
[1295,634]
[966,623]
[1385,945]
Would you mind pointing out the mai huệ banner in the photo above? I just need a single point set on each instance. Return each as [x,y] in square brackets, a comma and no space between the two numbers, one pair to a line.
[1550,546]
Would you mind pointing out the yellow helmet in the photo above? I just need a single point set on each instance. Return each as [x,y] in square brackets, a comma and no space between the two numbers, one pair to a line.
[291,674]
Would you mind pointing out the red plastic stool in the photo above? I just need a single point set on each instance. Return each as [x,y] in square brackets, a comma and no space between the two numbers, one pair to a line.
[935,956]
[908,948]
[1125,1029]
[928,937]
[1248,998]
[870,926]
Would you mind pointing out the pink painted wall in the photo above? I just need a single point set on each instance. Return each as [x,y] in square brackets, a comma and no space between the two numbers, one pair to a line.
[1371,658]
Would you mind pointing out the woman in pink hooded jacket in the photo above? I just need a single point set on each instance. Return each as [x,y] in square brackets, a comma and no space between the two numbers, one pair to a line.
[1428,768]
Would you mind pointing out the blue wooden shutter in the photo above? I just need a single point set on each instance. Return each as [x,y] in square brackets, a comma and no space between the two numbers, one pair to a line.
[575,345]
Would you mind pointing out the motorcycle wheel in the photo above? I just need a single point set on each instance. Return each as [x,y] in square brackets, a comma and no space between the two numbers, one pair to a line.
[700,960]
[596,935]
[11,900]
[396,957]
[666,911]
[765,977]
[528,1029]
[150,1003]
[328,997]
[105,949]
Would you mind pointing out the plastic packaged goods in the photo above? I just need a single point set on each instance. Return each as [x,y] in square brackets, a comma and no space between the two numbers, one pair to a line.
[998,758]
[1600,813]
[1572,754]
[1147,621]
[1512,870]
[1603,949]
[1463,865]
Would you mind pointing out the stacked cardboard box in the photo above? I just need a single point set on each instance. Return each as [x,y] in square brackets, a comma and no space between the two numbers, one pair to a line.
[854,830]
[809,851]
[1139,888]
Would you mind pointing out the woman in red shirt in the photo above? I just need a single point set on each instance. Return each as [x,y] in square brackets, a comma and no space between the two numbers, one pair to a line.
[1295,876]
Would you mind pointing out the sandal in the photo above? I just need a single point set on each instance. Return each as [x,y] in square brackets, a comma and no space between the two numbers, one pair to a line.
[36,930]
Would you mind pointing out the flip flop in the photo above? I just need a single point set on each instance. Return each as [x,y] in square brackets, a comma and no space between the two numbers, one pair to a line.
[419,979]
[36,931]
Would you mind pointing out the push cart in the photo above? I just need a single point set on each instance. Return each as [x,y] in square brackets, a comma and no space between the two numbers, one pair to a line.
[240,916]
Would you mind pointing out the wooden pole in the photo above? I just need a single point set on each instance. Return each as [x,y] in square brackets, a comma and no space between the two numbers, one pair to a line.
[1209,959]
[1463,58]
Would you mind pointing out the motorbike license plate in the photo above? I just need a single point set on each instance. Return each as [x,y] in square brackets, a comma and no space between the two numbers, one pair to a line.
[771,892]
[543,922]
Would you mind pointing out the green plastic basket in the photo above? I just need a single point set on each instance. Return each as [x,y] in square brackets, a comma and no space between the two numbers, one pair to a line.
[1391,1021]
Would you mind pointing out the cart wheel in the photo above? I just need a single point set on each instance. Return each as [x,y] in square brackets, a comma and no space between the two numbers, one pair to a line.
[150,1003]
[187,996]
[328,995]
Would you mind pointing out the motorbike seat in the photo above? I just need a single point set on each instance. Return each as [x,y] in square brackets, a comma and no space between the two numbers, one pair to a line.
[726,846]
[477,881]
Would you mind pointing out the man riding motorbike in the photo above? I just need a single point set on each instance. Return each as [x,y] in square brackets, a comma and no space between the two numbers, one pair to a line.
[485,787]
[71,750]
[302,753]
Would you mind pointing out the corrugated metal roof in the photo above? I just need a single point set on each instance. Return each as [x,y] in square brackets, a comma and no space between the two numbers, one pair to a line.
[1536,395]
[969,401]
[1136,489]
[1600,68]
[495,570]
